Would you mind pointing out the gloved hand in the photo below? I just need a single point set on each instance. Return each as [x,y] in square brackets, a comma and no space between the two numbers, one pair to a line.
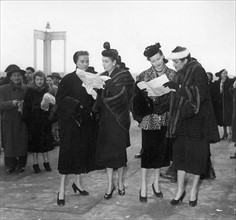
[78,108]
[172,85]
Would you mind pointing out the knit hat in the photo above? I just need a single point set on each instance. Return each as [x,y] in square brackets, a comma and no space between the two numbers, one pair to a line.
[178,53]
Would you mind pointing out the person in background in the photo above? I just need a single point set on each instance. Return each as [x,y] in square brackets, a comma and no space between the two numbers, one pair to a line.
[40,138]
[233,90]
[28,78]
[49,80]
[113,105]
[191,122]
[56,78]
[223,101]
[14,131]
[154,124]
[78,128]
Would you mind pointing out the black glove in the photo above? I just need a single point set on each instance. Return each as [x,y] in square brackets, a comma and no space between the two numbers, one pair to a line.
[78,108]
[172,85]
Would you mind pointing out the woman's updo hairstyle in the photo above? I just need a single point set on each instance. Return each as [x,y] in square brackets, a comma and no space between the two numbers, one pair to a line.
[78,54]
[108,52]
[153,50]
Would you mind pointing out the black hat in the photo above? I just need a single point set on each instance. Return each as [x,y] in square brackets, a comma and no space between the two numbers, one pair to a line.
[108,52]
[91,69]
[14,68]
[56,75]
[152,50]
[218,74]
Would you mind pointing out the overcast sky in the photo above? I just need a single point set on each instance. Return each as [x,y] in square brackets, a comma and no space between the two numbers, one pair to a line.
[206,28]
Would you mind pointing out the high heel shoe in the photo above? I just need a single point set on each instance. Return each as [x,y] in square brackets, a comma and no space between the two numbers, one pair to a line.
[36,168]
[176,202]
[121,192]
[47,167]
[193,203]
[108,196]
[60,202]
[225,137]
[157,194]
[141,198]
[82,192]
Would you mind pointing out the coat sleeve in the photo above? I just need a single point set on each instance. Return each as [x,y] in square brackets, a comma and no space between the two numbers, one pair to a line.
[5,104]
[27,113]
[66,104]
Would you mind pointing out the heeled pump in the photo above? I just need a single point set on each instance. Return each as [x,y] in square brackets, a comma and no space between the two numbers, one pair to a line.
[225,137]
[176,202]
[193,203]
[157,194]
[82,192]
[108,196]
[60,202]
[142,198]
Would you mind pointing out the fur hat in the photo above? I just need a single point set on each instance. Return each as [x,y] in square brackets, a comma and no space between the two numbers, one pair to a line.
[178,53]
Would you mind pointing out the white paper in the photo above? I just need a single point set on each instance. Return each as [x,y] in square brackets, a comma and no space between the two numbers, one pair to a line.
[155,87]
[47,99]
[92,81]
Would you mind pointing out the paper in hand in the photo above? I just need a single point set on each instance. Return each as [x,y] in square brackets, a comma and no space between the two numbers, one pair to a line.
[155,87]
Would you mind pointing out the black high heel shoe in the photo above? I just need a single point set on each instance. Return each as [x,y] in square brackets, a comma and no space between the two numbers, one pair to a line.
[82,192]
[193,203]
[176,202]
[108,196]
[60,202]
[225,137]
[121,192]
[157,194]
[141,198]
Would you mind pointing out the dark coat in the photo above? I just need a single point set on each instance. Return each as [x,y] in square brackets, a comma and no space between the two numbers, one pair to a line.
[233,90]
[14,133]
[192,115]
[78,128]
[39,127]
[223,102]
[114,106]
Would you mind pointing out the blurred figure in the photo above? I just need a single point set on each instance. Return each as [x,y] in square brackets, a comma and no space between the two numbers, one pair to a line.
[29,73]
[14,131]
[191,122]
[78,128]
[233,89]
[37,121]
[49,80]
[56,78]
[153,124]
[113,105]
[223,101]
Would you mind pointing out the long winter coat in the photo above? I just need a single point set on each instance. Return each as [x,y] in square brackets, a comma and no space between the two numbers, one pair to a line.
[39,127]
[191,110]
[223,102]
[233,90]
[78,128]
[14,133]
[114,106]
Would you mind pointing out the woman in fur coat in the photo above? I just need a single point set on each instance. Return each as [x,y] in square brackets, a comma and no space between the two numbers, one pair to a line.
[40,138]
[113,105]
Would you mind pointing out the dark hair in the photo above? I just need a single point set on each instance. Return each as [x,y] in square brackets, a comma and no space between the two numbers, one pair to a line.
[187,57]
[153,50]
[40,74]
[111,53]
[78,54]
[31,69]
